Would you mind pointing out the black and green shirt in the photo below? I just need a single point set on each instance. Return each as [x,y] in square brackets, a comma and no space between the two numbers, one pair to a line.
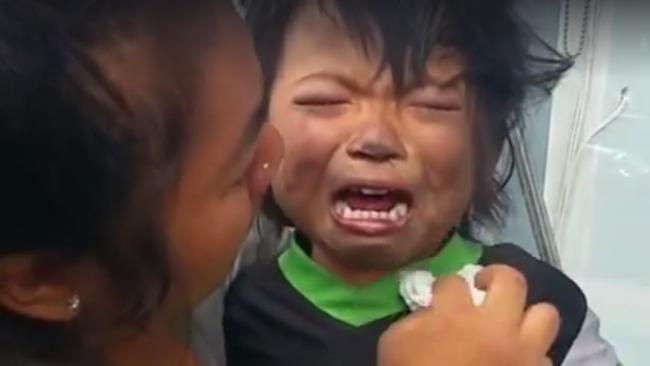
[290,311]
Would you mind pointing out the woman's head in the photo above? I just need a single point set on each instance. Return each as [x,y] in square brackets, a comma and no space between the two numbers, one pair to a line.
[394,115]
[132,159]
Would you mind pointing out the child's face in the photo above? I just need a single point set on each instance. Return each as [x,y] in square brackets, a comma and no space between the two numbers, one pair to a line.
[375,179]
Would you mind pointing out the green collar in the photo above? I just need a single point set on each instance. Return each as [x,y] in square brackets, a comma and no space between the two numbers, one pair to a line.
[360,305]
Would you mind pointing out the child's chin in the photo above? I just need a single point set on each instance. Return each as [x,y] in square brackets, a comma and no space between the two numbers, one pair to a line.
[378,261]
[379,253]
[361,241]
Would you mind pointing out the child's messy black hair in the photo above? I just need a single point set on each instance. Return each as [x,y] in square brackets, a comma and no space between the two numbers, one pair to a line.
[506,62]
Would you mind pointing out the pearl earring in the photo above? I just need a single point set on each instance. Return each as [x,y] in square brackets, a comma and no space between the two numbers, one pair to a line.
[266,166]
[74,303]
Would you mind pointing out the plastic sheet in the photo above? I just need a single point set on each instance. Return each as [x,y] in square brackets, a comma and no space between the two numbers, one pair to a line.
[605,232]
[601,206]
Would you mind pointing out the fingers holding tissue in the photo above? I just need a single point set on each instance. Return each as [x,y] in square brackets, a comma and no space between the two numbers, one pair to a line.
[416,287]
[462,322]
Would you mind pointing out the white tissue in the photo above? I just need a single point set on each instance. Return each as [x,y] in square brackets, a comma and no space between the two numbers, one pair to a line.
[415,287]
[469,273]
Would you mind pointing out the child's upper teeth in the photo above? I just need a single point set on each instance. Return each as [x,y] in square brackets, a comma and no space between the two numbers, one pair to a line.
[373,191]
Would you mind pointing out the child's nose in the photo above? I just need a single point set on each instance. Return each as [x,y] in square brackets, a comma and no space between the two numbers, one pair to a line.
[379,142]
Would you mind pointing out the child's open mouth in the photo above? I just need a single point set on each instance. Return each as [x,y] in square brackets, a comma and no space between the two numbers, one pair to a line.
[372,210]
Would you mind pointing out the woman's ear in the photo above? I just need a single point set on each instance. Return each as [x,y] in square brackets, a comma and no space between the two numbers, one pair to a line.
[268,156]
[33,288]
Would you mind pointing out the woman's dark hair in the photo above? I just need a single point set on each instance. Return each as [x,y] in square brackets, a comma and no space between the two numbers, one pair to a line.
[85,158]
[506,62]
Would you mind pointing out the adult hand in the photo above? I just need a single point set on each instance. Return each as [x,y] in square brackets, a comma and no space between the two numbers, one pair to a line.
[454,332]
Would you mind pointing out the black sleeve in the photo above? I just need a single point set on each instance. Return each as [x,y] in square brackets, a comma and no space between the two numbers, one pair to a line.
[549,285]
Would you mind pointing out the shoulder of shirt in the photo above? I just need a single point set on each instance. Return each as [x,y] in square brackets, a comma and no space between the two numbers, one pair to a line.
[537,272]
[546,284]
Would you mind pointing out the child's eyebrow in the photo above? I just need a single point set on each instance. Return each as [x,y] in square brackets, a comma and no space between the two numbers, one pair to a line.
[439,81]
[328,75]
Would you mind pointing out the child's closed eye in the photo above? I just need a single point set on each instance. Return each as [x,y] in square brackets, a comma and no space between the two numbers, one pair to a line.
[435,100]
[320,101]
[435,109]
[322,105]
[438,106]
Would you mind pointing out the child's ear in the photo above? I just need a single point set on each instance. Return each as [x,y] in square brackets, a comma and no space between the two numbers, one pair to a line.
[30,289]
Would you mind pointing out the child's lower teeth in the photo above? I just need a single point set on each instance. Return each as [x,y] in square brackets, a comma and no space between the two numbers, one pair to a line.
[398,212]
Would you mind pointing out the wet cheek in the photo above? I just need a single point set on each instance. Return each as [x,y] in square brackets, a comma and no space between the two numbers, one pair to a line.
[299,171]
[309,144]
[450,168]
[302,172]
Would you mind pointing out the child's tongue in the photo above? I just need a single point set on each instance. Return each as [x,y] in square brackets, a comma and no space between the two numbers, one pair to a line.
[370,203]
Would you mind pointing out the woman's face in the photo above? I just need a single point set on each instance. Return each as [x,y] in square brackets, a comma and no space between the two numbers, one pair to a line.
[226,168]
[375,179]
